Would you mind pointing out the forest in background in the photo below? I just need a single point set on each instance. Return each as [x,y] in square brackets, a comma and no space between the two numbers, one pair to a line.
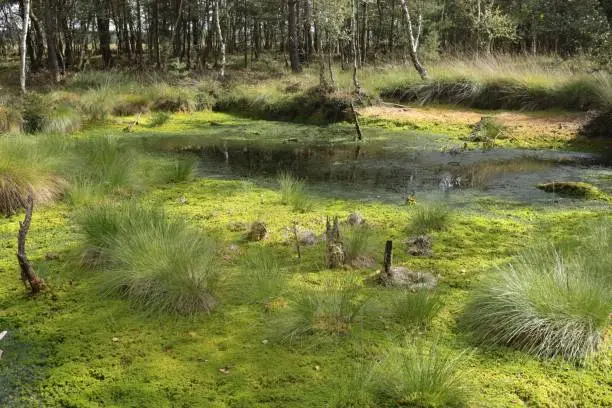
[67,35]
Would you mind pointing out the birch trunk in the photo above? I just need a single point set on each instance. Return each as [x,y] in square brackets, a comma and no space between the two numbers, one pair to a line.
[23,45]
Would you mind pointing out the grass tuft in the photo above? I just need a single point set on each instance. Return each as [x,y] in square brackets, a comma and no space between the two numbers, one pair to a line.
[356,241]
[293,193]
[548,302]
[161,265]
[416,309]
[435,217]
[262,279]
[61,119]
[421,378]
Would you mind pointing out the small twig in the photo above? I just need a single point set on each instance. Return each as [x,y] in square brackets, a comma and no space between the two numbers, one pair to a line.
[297,241]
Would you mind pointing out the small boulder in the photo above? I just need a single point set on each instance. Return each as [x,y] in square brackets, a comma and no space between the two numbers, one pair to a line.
[403,277]
[258,232]
[355,219]
[305,236]
[419,245]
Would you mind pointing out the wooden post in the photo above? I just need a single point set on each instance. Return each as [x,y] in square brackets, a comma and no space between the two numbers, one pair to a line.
[27,272]
[388,262]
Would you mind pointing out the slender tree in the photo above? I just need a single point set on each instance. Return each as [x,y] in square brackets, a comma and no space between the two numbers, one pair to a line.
[414,37]
[22,49]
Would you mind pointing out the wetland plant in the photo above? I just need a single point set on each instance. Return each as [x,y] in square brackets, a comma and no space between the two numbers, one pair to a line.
[415,309]
[61,119]
[181,169]
[160,264]
[549,302]
[415,377]
[435,217]
[263,279]
[293,193]
[159,119]
[331,309]
[356,242]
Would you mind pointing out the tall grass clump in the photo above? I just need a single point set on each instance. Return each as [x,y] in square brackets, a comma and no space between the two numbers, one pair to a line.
[159,119]
[61,119]
[169,98]
[356,241]
[262,278]
[293,193]
[331,309]
[130,105]
[162,265]
[179,170]
[550,301]
[421,378]
[97,103]
[415,309]
[10,120]
[104,162]
[25,167]
[435,217]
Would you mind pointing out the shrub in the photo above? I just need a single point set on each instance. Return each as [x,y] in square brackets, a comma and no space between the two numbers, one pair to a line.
[61,119]
[331,309]
[10,120]
[435,217]
[262,278]
[34,112]
[419,378]
[548,302]
[131,105]
[161,265]
[416,309]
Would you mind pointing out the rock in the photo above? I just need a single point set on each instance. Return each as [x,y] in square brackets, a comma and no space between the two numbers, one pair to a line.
[3,334]
[355,219]
[419,245]
[402,276]
[305,236]
[264,341]
[363,262]
[115,339]
[1,353]
[258,231]
[237,226]
[181,200]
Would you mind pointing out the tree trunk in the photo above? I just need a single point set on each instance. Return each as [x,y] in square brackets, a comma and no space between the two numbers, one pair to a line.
[27,272]
[175,31]
[414,40]
[220,39]
[155,32]
[294,52]
[25,13]
[354,29]
[104,34]
[50,28]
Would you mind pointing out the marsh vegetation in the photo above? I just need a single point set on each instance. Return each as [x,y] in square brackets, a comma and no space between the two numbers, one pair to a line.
[208,229]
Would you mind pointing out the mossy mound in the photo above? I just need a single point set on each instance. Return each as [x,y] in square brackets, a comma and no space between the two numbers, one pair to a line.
[599,126]
[312,106]
[574,189]
[131,105]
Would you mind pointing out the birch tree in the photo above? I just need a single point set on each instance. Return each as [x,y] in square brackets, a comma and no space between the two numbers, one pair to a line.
[23,45]
[414,36]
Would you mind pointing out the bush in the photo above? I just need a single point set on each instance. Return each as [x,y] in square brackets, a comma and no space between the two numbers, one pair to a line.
[435,217]
[131,105]
[331,309]
[262,278]
[35,108]
[548,302]
[10,120]
[416,309]
[419,378]
[161,265]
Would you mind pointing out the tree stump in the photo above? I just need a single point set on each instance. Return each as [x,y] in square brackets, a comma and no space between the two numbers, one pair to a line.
[334,250]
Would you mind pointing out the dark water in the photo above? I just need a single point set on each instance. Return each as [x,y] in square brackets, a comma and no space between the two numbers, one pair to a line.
[393,170]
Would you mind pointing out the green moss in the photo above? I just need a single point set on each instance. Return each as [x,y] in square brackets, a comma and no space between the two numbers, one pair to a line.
[574,190]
